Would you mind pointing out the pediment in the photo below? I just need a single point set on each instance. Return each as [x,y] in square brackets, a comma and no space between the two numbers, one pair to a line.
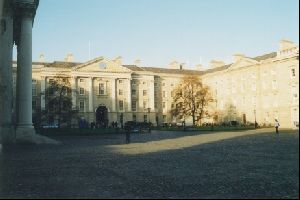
[101,65]
[244,62]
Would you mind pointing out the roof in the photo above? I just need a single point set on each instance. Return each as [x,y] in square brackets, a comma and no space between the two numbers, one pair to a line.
[265,56]
[59,64]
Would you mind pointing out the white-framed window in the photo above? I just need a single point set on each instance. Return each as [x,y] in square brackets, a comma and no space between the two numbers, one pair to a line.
[34,104]
[273,72]
[253,86]
[101,89]
[121,105]
[294,94]
[274,84]
[81,91]
[133,92]
[81,80]
[134,118]
[81,105]
[34,92]
[133,105]
[145,92]
[293,72]
[121,92]
[145,104]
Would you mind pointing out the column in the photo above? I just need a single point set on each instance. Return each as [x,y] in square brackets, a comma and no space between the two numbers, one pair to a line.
[6,87]
[129,95]
[24,77]
[113,95]
[151,101]
[91,95]
[43,90]
[151,95]
[74,92]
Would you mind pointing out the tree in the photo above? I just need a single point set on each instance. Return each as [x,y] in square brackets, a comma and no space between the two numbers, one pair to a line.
[59,99]
[191,98]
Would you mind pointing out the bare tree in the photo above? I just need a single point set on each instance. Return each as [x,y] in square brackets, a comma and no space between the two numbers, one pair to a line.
[191,98]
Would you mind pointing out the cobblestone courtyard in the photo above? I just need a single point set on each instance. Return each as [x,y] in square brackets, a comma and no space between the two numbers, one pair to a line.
[249,164]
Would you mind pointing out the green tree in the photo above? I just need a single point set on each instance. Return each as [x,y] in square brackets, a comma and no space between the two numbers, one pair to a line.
[191,98]
[59,100]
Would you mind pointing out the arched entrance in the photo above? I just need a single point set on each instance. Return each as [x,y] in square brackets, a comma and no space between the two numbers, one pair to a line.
[102,116]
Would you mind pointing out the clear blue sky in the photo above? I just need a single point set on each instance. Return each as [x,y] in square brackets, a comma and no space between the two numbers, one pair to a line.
[158,31]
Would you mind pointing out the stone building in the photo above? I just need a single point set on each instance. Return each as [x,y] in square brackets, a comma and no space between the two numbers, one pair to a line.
[249,89]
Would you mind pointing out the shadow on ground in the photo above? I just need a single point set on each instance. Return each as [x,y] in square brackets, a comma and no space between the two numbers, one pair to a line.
[258,165]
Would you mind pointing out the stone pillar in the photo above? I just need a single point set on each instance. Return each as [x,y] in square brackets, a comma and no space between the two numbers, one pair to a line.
[24,77]
[113,95]
[6,83]
[151,101]
[74,92]
[91,95]
[43,90]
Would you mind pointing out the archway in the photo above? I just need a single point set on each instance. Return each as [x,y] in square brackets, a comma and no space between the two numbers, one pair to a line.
[102,116]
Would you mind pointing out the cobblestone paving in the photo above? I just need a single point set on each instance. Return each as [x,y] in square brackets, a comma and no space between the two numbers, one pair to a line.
[250,164]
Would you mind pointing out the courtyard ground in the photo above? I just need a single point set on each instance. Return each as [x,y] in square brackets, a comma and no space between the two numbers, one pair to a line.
[245,164]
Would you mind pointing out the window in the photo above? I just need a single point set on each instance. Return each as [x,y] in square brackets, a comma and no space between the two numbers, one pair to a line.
[101,88]
[34,104]
[274,84]
[34,82]
[121,105]
[134,118]
[164,118]
[144,92]
[172,94]
[34,90]
[51,81]
[164,104]
[133,92]
[253,86]
[294,94]
[81,80]
[155,84]
[145,118]
[120,81]
[155,104]
[81,91]
[81,106]
[293,73]
[133,82]
[144,104]
[133,105]
[121,92]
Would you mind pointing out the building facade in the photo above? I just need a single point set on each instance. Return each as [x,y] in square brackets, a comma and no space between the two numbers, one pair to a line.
[258,89]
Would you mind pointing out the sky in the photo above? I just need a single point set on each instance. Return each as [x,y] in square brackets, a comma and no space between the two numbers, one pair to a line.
[160,31]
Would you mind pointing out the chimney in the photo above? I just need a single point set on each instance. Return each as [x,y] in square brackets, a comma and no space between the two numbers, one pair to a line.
[237,57]
[174,65]
[69,57]
[216,63]
[118,60]
[285,44]
[42,58]
[199,67]
[137,62]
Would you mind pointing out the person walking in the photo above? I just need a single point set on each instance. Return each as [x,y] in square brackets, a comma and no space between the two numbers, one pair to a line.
[277,126]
